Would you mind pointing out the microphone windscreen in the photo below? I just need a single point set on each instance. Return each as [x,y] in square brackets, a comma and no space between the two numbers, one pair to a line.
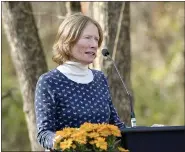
[105,52]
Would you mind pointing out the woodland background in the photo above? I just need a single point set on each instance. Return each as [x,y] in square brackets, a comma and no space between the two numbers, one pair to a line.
[155,74]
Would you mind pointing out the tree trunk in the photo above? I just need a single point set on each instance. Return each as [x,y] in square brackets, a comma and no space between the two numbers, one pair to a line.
[119,48]
[99,11]
[114,17]
[27,55]
[73,7]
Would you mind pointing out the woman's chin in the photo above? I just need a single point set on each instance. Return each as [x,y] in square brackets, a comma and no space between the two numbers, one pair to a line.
[88,62]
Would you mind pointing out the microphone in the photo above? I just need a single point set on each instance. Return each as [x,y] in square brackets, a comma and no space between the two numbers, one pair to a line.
[133,119]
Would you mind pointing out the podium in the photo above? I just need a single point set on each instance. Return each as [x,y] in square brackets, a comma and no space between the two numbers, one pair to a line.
[154,139]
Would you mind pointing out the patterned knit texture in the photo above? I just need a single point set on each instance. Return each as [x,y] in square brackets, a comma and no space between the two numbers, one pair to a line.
[61,102]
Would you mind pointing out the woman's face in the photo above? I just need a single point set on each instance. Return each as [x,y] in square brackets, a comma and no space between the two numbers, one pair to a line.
[85,49]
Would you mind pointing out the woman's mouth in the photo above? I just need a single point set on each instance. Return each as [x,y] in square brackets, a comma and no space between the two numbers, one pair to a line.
[90,53]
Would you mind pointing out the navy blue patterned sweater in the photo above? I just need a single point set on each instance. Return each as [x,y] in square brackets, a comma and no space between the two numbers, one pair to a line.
[61,102]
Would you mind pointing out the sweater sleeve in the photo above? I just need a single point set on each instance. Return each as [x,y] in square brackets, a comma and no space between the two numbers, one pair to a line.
[45,113]
[114,118]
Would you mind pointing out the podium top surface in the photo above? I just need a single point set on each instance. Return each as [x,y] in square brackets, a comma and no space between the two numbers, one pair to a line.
[149,129]
[152,139]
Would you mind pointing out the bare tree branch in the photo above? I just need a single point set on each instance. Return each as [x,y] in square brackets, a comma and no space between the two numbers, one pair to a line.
[118,31]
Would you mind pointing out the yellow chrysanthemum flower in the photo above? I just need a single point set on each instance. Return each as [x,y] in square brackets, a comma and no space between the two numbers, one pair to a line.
[93,134]
[66,144]
[122,149]
[96,126]
[88,133]
[81,139]
[114,130]
[104,131]
[66,132]
[92,142]
[101,143]
[79,133]
[87,127]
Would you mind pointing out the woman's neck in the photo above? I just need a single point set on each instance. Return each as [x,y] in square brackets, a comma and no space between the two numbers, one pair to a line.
[76,72]
[74,68]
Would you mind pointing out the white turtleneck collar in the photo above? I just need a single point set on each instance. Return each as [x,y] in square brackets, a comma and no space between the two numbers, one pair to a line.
[76,71]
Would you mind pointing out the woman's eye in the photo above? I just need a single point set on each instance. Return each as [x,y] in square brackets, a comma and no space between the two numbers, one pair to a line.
[87,37]
[97,39]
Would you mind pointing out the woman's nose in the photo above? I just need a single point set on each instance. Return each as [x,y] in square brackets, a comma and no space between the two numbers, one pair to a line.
[94,43]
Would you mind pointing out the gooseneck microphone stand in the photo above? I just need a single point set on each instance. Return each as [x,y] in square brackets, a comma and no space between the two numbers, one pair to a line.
[132,115]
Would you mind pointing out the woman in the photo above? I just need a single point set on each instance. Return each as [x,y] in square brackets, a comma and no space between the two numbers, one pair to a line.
[72,93]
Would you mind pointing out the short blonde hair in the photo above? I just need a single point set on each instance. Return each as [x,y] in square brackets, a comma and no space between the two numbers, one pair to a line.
[68,34]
